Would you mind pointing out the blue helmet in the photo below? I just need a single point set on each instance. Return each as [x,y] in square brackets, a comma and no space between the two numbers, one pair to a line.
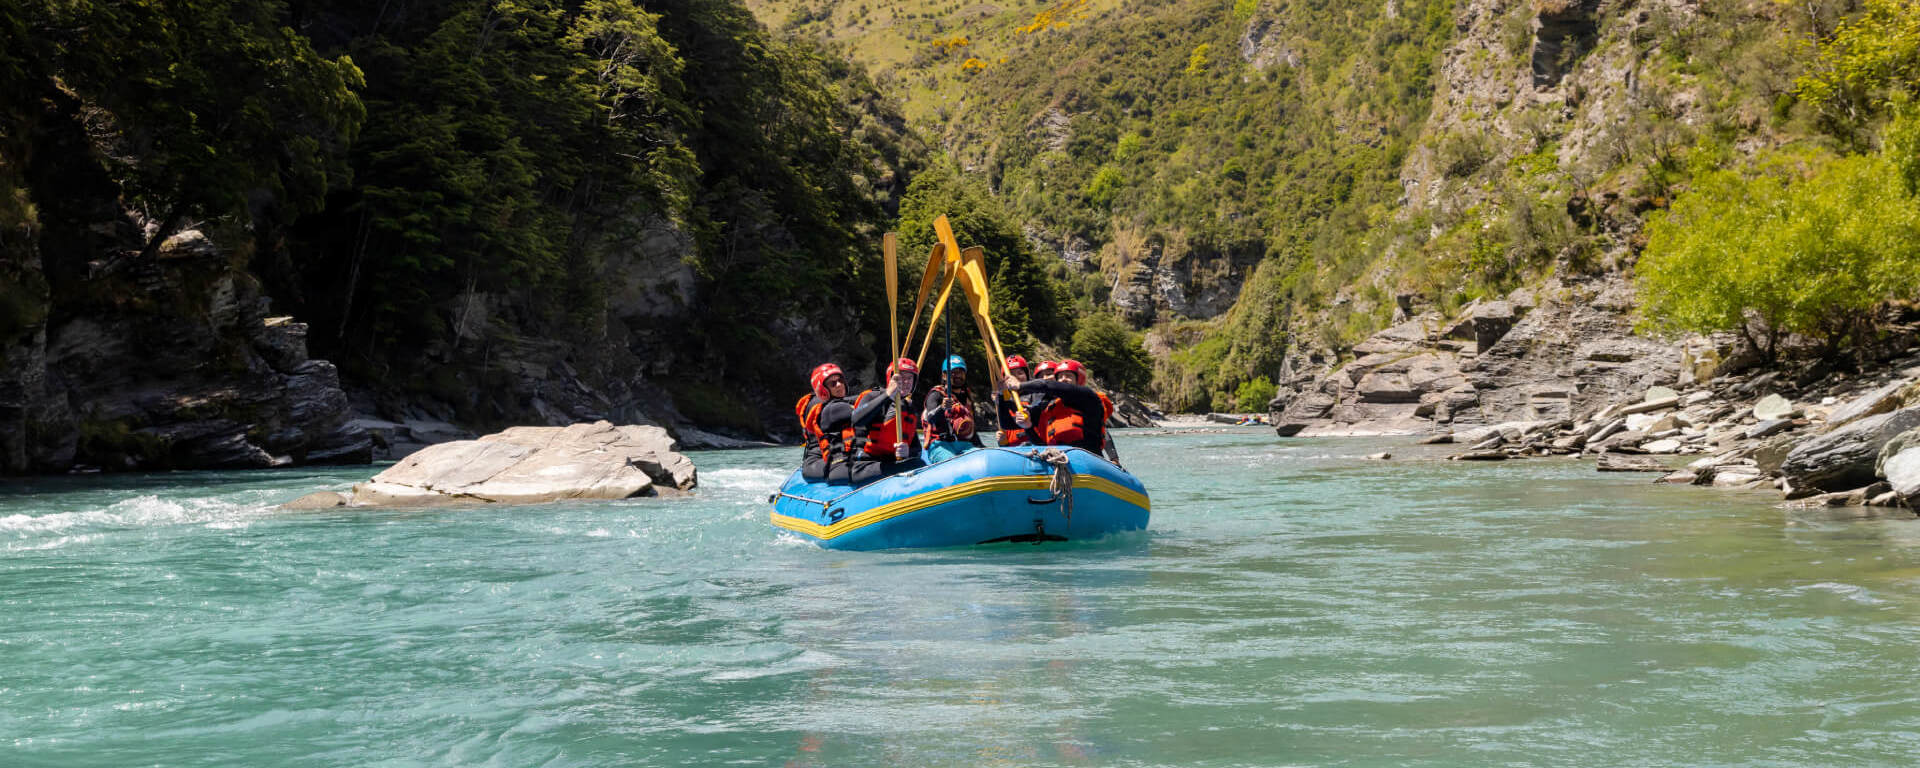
[954,363]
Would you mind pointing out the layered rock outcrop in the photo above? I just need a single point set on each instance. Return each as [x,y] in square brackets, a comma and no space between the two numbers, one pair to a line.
[1561,351]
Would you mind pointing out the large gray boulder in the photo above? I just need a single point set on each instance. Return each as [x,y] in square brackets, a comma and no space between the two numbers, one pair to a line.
[1843,459]
[528,465]
[1902,471]
[1900,442]
[1309,406]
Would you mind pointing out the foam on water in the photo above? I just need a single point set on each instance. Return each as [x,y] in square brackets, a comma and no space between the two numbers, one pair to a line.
[752,479]
[139,512]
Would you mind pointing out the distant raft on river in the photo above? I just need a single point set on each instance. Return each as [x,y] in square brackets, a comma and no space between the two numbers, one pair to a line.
[990,495]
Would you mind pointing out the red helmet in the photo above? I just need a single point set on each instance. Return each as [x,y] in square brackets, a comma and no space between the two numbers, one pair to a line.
[904,364]
[820,375]
[1079,371]
[1016,361]
[1045,368]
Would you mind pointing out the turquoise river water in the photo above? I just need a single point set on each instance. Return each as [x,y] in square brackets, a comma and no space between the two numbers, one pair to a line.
[1292,604]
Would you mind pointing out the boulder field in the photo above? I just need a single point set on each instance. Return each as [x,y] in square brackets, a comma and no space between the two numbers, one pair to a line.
[1558,371]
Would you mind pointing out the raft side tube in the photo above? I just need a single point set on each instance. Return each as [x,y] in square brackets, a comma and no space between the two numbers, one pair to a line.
[987,495]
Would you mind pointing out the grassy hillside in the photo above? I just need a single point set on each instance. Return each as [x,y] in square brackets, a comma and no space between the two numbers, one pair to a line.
[926,52]
[1246,177]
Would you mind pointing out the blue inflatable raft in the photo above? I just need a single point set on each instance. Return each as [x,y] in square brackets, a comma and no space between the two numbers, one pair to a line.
[979,497]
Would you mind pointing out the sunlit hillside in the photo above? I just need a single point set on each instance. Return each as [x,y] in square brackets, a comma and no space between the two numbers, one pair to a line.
[926,51]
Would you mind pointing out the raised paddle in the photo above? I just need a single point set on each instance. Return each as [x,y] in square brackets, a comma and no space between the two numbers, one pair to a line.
[973,280]
[939,309]
[936,266]
[892,260]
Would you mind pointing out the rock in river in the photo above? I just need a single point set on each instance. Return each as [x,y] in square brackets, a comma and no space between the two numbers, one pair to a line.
[1843,459]
[527,465]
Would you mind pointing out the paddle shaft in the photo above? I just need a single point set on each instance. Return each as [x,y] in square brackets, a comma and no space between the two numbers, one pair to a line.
[892,259]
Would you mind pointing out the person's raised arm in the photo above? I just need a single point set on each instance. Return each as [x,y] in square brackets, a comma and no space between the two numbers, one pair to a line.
[873,411]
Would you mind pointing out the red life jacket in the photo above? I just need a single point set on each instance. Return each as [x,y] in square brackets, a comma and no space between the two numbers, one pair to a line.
[807,410]
[880,436]
[1064,424]
[1107,405]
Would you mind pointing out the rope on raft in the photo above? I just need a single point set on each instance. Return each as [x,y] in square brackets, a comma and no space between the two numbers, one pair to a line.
[1062,484]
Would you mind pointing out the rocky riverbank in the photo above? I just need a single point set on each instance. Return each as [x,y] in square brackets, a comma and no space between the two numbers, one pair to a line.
[1557,371]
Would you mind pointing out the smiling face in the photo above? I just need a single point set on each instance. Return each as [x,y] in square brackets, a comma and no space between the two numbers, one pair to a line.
[906,380]
[1019,374]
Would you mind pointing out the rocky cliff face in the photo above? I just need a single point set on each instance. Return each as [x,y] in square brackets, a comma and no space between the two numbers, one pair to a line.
[1550,127]
[110,359]
[171,362]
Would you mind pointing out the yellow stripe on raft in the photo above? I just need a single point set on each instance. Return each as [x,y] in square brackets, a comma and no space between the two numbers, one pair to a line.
[956,493]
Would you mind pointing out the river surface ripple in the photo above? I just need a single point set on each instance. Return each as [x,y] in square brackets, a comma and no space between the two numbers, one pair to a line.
[1292,604]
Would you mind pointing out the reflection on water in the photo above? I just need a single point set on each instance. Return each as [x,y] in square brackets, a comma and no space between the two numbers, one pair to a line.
[1291,604]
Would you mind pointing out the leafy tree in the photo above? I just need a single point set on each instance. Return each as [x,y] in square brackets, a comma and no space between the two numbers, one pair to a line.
[222,107]
[1253,395]
[1807,244]
[1871,61]
[1115,354]
[1103,187]
[1026,301]
[1197,61]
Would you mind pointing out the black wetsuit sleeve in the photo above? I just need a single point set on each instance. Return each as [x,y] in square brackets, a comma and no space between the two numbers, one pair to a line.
[874,410]
[1079,398]
[836,416]
[935,414]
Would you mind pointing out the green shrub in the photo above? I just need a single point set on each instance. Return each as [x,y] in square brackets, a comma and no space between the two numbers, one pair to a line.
[1115,354]
[1104,187]
[1254,395]
[1807,244]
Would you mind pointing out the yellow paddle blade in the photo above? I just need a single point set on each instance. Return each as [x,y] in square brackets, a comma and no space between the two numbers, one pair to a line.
[939,309]
[973,280]
[891,259]
[936,267]
[944,231]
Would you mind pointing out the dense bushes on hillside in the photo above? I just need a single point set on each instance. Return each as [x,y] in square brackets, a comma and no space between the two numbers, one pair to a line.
[1804,245]
[1806,242]
[455,192]
[515,149]
[1172,129]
